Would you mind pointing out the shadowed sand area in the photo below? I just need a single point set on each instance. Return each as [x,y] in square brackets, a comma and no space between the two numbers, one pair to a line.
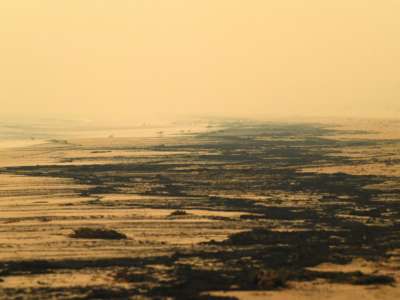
[246,210]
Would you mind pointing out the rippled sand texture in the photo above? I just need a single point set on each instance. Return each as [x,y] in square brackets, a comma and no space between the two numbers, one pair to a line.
[205,215]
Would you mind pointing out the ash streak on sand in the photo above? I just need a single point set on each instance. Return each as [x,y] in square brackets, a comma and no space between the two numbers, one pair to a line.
[241,206]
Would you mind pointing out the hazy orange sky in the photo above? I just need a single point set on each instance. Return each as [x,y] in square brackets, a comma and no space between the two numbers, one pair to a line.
[128,58]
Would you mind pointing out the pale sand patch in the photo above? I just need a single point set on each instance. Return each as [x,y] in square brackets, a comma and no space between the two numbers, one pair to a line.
[318,290]
[89,212]
[358,264]
[20,182]
[57,280]
[377,169]
[385,186]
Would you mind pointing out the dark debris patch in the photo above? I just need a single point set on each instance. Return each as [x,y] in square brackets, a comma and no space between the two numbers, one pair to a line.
[356,277]
[97,233]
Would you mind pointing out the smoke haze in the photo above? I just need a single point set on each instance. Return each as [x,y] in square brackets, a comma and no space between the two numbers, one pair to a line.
[135,58]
